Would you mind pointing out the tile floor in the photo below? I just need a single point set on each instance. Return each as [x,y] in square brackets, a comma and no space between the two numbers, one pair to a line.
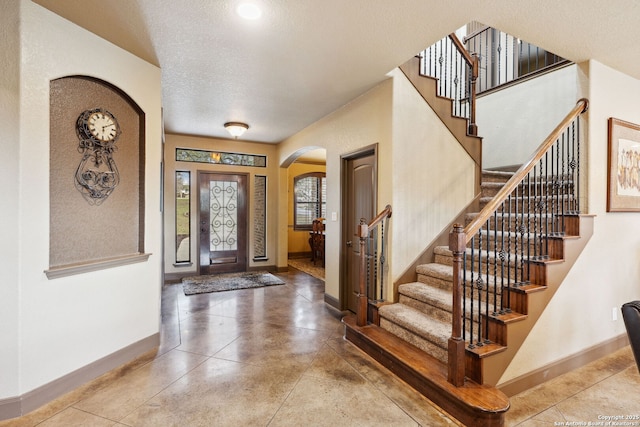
[275,356]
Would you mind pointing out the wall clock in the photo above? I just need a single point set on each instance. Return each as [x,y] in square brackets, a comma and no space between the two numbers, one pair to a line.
[97,175]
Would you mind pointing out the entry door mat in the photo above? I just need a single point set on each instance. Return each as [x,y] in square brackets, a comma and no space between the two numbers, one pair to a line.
[228,282]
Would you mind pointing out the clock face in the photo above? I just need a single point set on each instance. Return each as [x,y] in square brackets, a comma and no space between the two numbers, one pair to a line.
[102,126]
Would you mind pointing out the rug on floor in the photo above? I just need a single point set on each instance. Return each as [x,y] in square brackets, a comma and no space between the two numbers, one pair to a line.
[303,264]
[228,282]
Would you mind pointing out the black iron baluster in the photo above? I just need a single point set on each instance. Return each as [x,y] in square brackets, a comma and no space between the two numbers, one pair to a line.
[564,182]
[554,195]
[508,255]
[524,227]
[464,294]
[382,257]
[488,283]
[480,286]
[471,286]
[496,256]
[502,258]
[546,204]
[577,136]
[535,215]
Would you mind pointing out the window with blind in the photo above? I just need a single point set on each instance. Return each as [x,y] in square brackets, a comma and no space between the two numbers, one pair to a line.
[309,200]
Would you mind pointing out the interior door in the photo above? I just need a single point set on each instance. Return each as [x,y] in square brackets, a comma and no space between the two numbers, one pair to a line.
[223,223]
[359,202]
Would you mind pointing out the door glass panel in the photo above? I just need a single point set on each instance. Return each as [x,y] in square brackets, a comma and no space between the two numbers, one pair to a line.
[223,207]
[183,223]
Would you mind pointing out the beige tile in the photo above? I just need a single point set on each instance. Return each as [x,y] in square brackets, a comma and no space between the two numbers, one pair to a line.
[128,392]
[71,417]
[220,393]
[540,398]
[47,411]
[323,402]
[268,343]
[329,365]
[416,405]
[204,334]
[617,395]
[550,417]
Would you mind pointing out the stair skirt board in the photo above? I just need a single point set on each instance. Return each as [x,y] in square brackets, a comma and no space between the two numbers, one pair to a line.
[472,404]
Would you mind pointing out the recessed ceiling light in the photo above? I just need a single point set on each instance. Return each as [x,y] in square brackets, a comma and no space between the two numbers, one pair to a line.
[249,11]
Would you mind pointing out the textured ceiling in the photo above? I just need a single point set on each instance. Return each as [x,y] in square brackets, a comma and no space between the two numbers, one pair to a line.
[306,58]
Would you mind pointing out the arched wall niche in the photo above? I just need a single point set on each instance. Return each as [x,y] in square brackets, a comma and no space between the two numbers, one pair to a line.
[91,227]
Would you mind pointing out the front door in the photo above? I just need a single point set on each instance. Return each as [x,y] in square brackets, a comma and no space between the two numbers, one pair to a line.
[359,202]
[223,222]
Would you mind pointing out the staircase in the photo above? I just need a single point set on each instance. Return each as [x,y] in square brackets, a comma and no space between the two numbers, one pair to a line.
[514,261]
[424,312]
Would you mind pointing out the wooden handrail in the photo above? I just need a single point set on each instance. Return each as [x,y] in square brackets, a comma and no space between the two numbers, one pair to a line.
[463,51]
[474,226]
[475,33]
[386,212]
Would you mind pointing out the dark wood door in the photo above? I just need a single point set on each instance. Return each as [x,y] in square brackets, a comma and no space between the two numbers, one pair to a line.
[223,223]
[360,202]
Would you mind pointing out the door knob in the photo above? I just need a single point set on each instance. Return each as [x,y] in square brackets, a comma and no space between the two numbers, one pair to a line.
[349,243]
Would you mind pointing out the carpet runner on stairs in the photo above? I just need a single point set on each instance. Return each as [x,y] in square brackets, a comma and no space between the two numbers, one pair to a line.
[423,314]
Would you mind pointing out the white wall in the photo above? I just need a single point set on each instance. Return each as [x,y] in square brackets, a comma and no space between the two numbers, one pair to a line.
[607,274]
[61,325]
[9,194]
[514,121]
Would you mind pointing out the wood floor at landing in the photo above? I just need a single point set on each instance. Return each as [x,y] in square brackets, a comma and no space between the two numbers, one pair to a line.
[276,356]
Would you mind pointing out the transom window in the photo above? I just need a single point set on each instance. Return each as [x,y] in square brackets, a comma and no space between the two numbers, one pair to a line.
[309,200]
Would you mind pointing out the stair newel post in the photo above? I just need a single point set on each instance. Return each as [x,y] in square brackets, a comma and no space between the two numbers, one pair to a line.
[363,234]
[456,348]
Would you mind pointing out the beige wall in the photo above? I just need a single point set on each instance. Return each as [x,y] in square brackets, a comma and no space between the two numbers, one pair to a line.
[226,145]
[422,170]
[364,121]
[298,241]
[607,274]
[432,176]
[77,319]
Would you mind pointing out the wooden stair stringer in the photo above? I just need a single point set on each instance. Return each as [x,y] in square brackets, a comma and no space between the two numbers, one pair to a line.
[494,367]
[473,404]
[458,126]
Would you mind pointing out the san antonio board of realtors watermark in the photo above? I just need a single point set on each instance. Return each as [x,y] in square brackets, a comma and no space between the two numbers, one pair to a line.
[604,420]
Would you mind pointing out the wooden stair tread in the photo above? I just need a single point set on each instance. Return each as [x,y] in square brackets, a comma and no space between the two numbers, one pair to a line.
[529,288]
[486,350]
[472,403]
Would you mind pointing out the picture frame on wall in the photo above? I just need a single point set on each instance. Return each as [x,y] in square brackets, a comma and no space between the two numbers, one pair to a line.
[623,168]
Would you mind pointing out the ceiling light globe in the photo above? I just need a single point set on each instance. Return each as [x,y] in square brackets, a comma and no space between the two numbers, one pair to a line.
[236,129]
[249,11]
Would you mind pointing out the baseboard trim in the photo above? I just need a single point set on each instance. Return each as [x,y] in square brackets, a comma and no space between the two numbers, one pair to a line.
[20,405]
[562,366]
[332,301]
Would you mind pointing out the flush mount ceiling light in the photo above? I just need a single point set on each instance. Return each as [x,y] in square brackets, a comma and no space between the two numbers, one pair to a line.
[236,129]
[249,11]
